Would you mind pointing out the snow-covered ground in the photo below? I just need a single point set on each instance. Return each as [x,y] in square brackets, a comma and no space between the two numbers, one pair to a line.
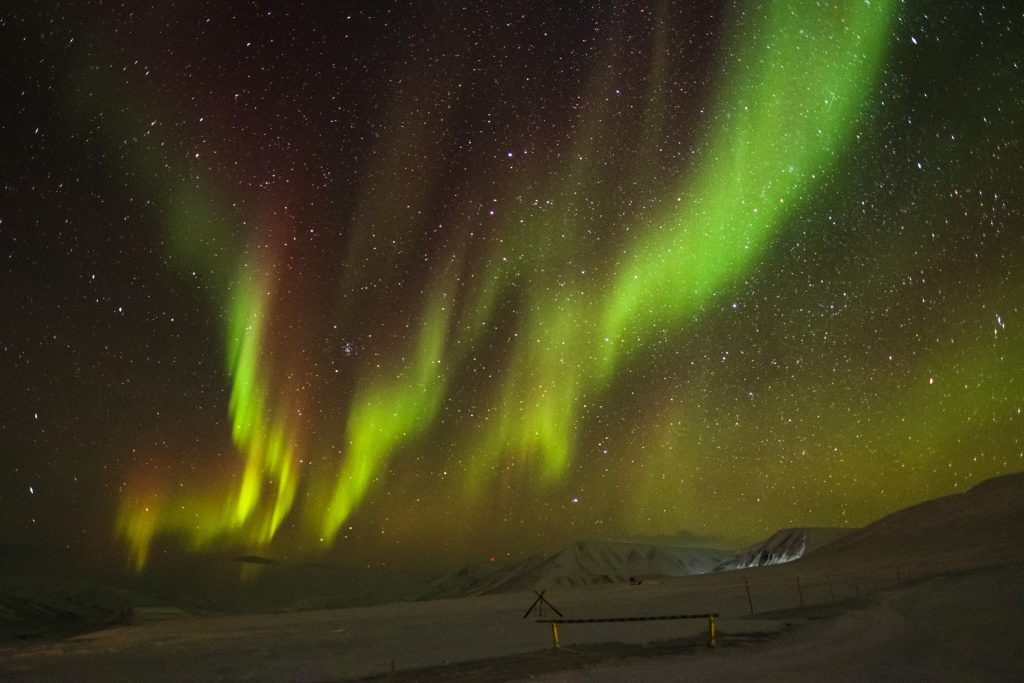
[933,592]
[957,628]
[957,623]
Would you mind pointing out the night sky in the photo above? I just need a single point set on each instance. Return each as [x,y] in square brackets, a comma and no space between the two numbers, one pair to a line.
[421,283]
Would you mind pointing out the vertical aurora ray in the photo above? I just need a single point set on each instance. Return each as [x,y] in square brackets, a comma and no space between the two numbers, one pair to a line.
[800,81]
[262,430]
[396,406]
[265,440]
[531,422]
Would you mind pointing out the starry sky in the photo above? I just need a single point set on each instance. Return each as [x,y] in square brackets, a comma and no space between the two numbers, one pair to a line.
[410,284]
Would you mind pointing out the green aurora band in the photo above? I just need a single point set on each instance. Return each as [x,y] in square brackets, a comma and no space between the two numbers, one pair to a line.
[797,85]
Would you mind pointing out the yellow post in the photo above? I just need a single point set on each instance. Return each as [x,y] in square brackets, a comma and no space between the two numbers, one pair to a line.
[554,634]
[711,630]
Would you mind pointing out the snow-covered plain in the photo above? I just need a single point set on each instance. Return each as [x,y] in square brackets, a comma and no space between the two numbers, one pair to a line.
[933,592]
[954,628]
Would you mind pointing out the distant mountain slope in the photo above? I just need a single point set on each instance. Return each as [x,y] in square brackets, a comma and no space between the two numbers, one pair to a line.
[783,546]
[982,525]
[581,564]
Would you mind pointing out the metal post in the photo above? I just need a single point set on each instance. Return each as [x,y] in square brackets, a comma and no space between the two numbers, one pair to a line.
[554,634]
[800,591]
[711,630]
[750,600]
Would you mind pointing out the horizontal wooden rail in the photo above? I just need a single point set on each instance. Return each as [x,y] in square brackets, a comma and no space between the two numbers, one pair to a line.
[710,616]
[658,618]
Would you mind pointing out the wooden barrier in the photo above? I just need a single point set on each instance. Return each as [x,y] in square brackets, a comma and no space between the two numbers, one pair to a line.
[554,623]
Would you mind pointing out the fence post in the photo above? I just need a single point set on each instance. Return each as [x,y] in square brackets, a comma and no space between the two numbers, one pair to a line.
[750,600]
[554,634]
[711,630]
[799,590]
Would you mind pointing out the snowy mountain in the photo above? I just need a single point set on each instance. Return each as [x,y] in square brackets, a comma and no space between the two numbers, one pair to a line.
[582,564]
[983,525]
[783,546]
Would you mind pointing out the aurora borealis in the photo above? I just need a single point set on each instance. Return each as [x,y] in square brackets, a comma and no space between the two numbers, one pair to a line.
[414,285]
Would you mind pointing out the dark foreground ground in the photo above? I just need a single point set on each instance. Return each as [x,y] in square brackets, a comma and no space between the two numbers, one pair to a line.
[950,625]
[959,627]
